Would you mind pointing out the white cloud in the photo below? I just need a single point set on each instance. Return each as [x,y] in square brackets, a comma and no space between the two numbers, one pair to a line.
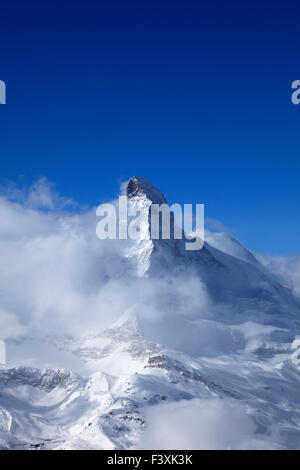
[55,274]
[9,325]
[200,424]
[57,277]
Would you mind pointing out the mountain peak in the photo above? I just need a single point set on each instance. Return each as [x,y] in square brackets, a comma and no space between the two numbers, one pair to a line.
[139,186]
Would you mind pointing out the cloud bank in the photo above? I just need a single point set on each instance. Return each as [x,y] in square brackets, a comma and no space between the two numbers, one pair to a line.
[200,424]
[55,273]
[57,277]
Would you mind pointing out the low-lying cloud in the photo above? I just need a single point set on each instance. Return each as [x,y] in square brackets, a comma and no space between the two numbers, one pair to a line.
[200,424]
[57,277]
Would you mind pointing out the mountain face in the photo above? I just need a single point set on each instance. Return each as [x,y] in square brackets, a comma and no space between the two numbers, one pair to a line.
[156,256]
[205,327]
[229,279]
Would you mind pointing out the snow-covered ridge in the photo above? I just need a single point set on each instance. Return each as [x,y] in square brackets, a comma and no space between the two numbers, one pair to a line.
[45,379]
[139,187]
[153,255]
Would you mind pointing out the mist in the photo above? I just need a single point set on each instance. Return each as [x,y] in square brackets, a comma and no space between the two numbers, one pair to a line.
[57,277]
[201,424]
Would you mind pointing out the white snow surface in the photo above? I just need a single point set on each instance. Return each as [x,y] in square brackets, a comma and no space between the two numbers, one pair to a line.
[207,356]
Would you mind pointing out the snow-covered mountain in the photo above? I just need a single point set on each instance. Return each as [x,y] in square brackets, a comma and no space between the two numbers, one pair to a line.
[210,330]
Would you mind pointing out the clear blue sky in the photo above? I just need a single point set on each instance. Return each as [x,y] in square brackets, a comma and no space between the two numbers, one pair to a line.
[194,96]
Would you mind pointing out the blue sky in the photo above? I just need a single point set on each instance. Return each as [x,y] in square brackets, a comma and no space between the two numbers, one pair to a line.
[194,96]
